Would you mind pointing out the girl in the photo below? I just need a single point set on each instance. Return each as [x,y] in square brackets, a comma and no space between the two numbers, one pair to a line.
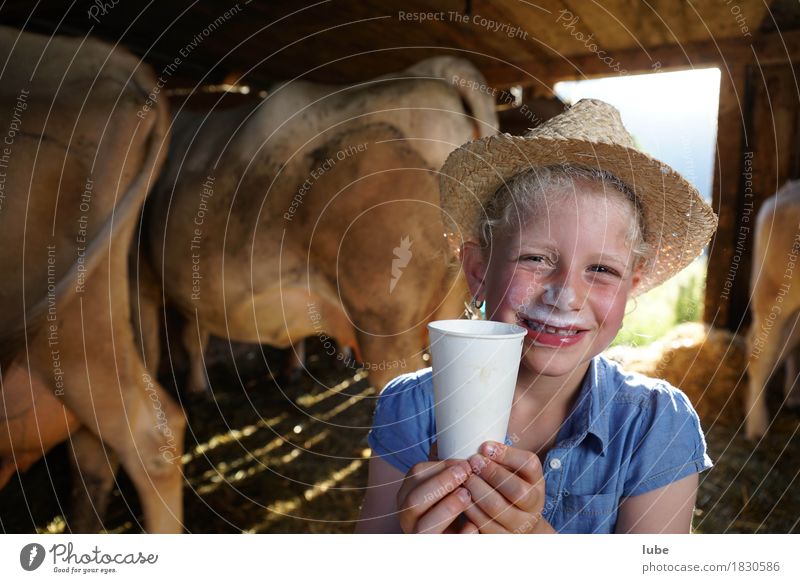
[560,228]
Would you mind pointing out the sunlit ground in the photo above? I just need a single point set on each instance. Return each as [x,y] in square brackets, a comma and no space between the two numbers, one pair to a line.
[262,458]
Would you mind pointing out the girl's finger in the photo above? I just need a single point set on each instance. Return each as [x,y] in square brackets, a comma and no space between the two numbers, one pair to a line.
[444,512]
[482,521]
[421,472]
[424,495]
[523,495]
[524,463]
[496,506]
[469,528]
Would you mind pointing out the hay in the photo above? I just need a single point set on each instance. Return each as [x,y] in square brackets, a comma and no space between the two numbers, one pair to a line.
[708,364]
[751,487]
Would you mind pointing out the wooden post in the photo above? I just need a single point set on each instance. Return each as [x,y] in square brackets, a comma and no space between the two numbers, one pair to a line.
[732,123]
[773,147]
[756,154]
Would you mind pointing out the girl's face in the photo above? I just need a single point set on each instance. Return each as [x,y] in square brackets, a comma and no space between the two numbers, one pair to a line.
[565,276]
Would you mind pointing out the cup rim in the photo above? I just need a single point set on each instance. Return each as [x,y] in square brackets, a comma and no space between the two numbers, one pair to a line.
[514,330]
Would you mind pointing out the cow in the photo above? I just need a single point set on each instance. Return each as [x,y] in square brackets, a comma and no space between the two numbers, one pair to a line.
[84,135]
[774,335]
[315,213]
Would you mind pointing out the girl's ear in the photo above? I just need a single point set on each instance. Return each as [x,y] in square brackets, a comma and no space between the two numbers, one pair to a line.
[636,277]
[474,268]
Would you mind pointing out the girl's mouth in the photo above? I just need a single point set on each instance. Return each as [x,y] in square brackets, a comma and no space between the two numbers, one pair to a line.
[546,335]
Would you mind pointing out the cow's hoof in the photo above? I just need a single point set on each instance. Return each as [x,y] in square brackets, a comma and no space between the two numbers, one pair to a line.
[754,434]
[289,377]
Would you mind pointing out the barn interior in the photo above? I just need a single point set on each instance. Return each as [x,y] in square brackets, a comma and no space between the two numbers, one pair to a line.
[254,464]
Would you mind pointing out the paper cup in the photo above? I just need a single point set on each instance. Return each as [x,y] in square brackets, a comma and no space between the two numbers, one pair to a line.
[475,366]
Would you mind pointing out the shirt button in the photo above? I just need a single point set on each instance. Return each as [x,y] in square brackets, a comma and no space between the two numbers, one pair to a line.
[555,463]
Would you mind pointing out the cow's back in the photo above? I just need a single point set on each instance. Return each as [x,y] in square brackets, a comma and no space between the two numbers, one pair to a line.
[258,157]
[777,240]
[267,209]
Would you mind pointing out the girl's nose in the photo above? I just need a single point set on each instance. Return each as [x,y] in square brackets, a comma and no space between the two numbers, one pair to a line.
[560,296]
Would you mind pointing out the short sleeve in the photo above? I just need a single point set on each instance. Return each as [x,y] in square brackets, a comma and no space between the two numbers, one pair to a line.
[670,443]
[403,424]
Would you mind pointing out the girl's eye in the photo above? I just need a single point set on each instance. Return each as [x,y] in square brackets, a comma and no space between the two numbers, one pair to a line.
[603,269]
[536,258]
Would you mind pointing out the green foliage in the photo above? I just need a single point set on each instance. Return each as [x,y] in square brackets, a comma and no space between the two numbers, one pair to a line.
[653,314]
[687,306]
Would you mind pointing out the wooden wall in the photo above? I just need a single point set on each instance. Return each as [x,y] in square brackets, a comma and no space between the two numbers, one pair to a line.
[757,151]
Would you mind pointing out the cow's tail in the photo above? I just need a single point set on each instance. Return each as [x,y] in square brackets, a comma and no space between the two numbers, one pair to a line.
[156,124]
[476,95]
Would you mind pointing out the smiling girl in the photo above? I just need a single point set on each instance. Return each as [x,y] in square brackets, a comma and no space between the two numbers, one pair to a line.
[559,228]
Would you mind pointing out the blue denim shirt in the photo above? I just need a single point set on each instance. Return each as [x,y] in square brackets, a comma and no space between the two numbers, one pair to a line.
[627,434]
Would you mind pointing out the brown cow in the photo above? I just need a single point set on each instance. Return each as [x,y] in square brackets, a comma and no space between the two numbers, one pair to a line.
[774,335]
[82,142]
[315,213]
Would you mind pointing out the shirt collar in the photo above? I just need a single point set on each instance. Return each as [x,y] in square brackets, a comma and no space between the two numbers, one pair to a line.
[589,415]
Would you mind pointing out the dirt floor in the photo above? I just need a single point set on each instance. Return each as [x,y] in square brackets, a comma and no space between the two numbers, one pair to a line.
[264,457]
[260,457]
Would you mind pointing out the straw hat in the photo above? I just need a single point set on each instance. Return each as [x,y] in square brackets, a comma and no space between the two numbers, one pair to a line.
[678,223]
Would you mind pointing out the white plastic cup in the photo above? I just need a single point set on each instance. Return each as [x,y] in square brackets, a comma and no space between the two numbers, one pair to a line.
[475,366]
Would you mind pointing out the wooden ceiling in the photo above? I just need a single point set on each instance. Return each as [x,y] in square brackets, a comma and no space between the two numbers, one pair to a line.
[512,41]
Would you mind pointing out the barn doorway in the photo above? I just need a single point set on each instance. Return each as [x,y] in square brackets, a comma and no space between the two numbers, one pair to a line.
[684,136]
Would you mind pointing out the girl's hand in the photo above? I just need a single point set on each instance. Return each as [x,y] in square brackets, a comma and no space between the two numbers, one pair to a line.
[432,497]
[507,485]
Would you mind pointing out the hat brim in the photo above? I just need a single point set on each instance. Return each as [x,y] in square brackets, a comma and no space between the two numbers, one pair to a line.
[678,222]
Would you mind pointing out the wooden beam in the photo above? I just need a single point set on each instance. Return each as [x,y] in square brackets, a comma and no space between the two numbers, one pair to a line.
[771,48]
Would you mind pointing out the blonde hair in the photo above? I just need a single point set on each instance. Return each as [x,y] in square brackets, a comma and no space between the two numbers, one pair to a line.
[533,191]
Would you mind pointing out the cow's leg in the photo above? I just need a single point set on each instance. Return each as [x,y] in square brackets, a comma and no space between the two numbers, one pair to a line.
[111,392]
[153,460]
[295,362]
[760,366]
[145,426]
[195,341]
[759,370]
[145,304]
[768,348]
[135,417]
[93,470]
[150,340]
